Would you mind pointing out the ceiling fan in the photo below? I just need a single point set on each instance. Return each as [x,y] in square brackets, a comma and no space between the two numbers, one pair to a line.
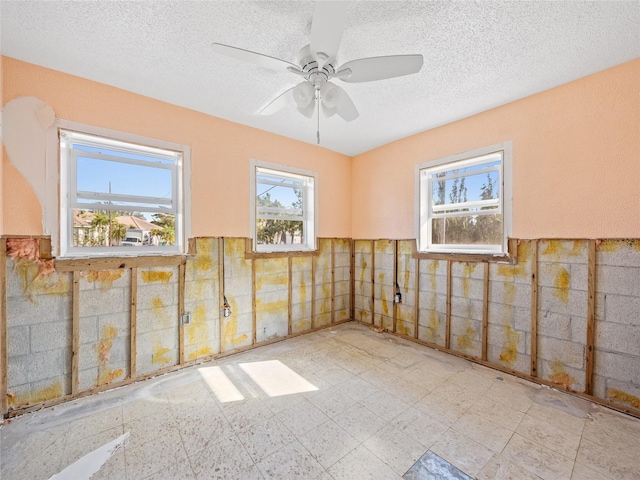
[317,64]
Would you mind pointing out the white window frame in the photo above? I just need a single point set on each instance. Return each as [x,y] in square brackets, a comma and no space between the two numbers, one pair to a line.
[61,180]
[423,197]
[309,206]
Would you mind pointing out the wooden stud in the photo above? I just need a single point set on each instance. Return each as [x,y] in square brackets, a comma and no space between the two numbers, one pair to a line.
[373,283]
[4,352]
[416,313]
[447,340]
[44,246]
[84,264]
[254,327]
[352,279]
[192,246]
[75,333]
[485,310]
[290,297]
[221,292]
[333,283]
[133,329]
[181,345]
[534,308]
[313,292]
[395,284]
[591,317]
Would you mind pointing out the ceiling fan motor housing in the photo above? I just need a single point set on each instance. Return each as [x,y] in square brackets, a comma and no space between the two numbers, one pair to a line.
[312,72]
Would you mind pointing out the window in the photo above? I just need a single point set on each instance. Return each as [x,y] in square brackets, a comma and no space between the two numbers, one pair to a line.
[283,208]
[464,202]
[119,197]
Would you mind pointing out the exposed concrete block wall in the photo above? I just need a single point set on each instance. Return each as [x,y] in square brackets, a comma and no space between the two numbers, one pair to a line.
[39,311]
[104,341]
[617,332]
[541,303]
[384,283]
[270,297]
[432,301]
[406,310]
[202,300]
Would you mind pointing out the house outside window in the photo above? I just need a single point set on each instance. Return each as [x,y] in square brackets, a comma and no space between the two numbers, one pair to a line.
[464,202]
[121,196]
[283,213]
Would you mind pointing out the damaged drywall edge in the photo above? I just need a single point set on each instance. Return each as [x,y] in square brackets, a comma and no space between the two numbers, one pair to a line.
[89,465]
[27,123]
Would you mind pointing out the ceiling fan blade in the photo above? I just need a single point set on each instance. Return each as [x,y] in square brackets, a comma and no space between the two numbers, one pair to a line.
[278,103]
[326,30]
[253,57]
[379,68]
[346,108]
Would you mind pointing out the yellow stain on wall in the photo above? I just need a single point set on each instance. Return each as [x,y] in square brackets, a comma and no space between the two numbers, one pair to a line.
[465,341]
[300,325]
[509,293]
[160,312]
[364,266]
[509,353]
[200,352]
[383,296]
[520,269]
[231,326]
[106,375]
[623,397]
[272,308]
[403,328]
[104,278]
[36,396]
[609,246]
[197,331]
[467,270]
[561,283]
[33,282]
[560,375]
[578,248]
[203,261]
[149,276]
[325,305]
[432,268]
[434,326]
[382,245]
[554,247]
[159,355]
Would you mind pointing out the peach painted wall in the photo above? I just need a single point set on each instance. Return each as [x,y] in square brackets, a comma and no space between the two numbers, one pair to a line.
[576,162]
[220,153]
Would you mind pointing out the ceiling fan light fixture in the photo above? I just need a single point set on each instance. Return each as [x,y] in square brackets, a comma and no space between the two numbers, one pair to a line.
[303,95]
[330,95]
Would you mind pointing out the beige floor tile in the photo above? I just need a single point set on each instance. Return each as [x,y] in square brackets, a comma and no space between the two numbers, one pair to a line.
[282,402]
[328,443]
[40,466]
[291,461]
[462,452]
[421,377]
[408,392]
[76,450]
[334,375]
[497,413]
[302,418]
[94,423]
[558,417]
[114,468]
[537,459]
[609,462]
[358,388]
[251,473]
[440,408]
[154,456]
[145,406]
[143,429]
[225,459]
[550,435]
[614,430]
[333,401]
[359,422]
[396,449]
[244,414]
[474,379]
[420,427]
[385,405]
[580,472]
[483,431]
[200,434]
[362,464]
[501,468]
[262,439]
[511,394]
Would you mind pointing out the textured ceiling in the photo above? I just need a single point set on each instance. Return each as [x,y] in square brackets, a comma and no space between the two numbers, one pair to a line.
[477,55]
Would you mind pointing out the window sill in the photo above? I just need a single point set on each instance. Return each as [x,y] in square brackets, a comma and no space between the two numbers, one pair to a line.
[69,264]
[511,257]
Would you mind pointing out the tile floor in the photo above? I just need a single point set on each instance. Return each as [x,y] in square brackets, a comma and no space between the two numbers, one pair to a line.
[343,403]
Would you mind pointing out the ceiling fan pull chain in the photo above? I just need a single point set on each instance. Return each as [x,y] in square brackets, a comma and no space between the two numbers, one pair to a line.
[318,113]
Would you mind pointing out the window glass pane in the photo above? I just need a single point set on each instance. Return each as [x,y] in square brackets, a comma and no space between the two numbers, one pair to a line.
[463,169]
[467,188]
[122,228]
[469,230]
[131,155]
[285,194]
[279,232]
[104,176]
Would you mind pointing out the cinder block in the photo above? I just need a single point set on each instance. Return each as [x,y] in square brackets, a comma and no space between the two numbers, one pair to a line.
[148,295]
[44,308]
[561,374]
[521,362]
[200,289]
[50,336]
[99,302]
[44,365]
[579,277]
[430,301]
[88,330]
[617,337]
[466,308]
[18,340]
[508,293]
[622,309]
[622,393]
[467,287]
[120,320]
[549,299]
[618,280]
[551,324]
[342,259]
[562,251]
[570,354]
[622,253]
